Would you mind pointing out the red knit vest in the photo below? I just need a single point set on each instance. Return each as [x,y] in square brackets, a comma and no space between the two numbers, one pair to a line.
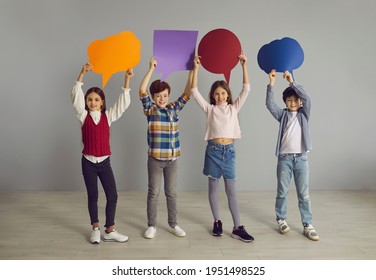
[96,138]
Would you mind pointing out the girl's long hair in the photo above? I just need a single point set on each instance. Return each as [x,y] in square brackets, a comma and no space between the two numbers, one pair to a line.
[100,92]
[223,85]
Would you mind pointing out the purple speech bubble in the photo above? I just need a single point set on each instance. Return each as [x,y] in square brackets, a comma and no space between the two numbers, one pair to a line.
[174,50]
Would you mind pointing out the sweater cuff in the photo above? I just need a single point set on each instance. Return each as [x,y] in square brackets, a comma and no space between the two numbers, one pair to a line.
[194,91]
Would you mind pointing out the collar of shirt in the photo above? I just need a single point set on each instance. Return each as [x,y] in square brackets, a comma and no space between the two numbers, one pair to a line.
[96,116]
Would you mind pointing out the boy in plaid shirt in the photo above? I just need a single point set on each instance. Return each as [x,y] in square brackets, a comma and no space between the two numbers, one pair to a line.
[164,146]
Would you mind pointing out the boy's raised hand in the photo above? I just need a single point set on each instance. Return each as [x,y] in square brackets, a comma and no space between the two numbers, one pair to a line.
[152,63]
[272,76]
[287,75]
[196,62]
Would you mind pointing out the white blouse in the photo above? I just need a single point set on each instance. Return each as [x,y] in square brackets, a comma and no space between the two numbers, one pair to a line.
[113,114]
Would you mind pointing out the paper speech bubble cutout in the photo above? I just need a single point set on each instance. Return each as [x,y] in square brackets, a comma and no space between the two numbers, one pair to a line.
[281,55]
[174,50]
[219,50]
[113,54]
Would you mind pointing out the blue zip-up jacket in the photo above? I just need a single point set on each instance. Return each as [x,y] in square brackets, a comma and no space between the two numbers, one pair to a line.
[281,115]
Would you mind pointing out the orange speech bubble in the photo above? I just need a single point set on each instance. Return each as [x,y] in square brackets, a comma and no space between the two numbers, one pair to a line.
[113,54]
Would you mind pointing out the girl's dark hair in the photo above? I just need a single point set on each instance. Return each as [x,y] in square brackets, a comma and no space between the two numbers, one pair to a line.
[223,85]
[288,92]
[100,92]
[159,86]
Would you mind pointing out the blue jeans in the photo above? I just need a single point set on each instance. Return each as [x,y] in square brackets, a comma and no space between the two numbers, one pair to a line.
[220,161]
[297,165]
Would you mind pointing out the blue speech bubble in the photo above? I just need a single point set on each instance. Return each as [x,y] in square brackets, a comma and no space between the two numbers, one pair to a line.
[174,50]
[281,55]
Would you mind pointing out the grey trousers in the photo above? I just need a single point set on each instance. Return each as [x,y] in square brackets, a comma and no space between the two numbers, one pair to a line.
[157,169]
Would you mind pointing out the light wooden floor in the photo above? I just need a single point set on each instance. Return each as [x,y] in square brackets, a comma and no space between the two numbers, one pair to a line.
[54,225]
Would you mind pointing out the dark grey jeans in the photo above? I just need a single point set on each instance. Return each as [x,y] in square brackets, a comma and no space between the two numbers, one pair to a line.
[103,171]
[157,169]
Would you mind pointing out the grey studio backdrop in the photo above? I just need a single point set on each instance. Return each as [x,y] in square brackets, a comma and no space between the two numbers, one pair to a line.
[43,47]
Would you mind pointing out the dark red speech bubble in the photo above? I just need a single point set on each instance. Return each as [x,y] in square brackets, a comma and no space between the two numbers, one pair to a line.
[219,50]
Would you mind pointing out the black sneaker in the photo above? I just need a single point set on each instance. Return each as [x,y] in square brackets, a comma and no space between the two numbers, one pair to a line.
[217,228]
[242,234]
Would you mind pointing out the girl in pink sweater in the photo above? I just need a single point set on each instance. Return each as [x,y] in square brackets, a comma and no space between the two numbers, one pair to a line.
[222,129]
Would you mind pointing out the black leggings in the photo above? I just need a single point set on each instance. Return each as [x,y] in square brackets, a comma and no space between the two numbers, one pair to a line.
[103,170]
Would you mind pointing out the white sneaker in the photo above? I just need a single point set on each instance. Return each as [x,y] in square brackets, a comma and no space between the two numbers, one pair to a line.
[283,226]
[177,231]
[95,236]
[150,232]
[114,236]
[310,232]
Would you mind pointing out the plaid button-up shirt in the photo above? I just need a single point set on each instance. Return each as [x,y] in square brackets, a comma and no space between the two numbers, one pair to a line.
[163,128]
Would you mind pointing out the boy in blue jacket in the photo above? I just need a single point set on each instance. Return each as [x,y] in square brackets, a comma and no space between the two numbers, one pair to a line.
[293,144]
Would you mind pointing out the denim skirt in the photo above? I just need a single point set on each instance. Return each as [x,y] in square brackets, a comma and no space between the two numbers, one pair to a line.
[220,161]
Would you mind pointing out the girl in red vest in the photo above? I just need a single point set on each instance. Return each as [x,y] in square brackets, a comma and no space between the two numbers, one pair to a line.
[95,122]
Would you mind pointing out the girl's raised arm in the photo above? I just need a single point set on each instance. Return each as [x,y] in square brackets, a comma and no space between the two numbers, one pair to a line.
[128,74]
[243,61]
[196,64]
[87,67]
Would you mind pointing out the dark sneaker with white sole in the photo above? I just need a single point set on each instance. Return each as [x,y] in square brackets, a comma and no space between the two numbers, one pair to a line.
[217,228]
[241,234]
